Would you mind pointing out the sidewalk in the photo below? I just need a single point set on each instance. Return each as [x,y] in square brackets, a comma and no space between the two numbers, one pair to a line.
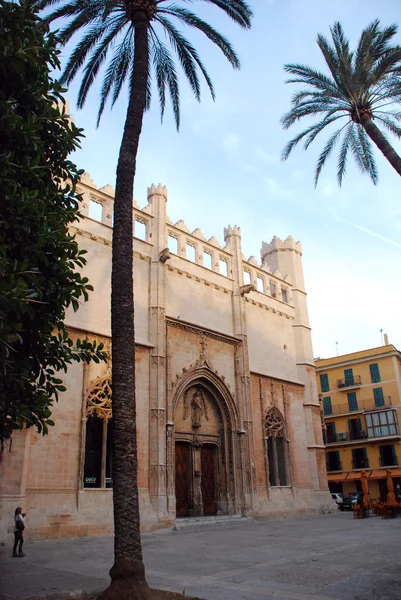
[309,558]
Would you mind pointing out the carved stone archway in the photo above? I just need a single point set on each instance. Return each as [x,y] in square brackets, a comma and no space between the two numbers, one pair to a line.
[202,445]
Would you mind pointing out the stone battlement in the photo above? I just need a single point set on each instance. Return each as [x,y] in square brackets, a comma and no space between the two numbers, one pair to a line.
[279,245]
[184,236]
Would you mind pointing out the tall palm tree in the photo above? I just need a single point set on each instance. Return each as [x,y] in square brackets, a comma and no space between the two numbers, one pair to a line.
[361,91]
[127,32]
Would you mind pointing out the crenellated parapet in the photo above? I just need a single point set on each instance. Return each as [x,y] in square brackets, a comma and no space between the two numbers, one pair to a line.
[231,231]
[108,190]
[279,245]
[157,190]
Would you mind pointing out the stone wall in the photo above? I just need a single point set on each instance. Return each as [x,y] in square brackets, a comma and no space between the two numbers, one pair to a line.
[204,316]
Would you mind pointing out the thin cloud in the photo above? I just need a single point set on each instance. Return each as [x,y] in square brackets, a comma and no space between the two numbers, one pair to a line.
[376,235]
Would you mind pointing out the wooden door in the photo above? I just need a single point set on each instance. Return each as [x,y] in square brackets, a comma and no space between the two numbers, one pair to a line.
[182,479]
[208,481]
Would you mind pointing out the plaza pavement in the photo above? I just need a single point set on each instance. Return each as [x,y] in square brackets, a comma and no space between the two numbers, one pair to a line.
[308,558]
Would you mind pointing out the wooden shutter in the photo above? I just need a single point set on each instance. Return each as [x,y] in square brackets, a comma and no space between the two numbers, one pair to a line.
[352,401]
[374,373]
[327,408]
[349,377]
[324,382]
[378,395]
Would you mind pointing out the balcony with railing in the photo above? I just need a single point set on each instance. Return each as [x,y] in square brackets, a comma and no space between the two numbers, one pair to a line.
[360,406]
[345,436]
[346,383]
[370,434]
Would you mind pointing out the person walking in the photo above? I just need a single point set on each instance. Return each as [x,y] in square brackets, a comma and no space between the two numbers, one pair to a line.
[19,526]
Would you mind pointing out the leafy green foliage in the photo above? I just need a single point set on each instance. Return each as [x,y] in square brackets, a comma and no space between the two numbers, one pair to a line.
[361,86]
[39,257]
[110,26]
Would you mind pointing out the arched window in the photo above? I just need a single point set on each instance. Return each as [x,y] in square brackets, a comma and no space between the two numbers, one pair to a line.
[276,451]
[98,444]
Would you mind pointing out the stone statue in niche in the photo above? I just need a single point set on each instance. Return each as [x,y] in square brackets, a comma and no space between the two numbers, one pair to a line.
[199,409]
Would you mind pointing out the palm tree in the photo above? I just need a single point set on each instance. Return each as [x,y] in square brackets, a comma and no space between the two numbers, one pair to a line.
[129,31]
[362,87]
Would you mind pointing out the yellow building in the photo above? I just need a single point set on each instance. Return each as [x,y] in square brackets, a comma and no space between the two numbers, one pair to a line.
[361,395]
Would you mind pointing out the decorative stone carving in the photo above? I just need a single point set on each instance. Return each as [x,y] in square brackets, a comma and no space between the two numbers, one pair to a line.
[274,423]
[98,402]
[246,289]
[164,255]
[203,344]
[199,408]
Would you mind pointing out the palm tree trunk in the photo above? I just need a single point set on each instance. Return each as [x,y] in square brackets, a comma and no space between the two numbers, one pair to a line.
[128,572]
[378,138]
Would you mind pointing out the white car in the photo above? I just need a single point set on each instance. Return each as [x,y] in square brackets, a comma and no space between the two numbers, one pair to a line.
[338,499]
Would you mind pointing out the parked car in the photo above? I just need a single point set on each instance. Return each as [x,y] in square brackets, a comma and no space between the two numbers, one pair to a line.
[349,500]
[338,498]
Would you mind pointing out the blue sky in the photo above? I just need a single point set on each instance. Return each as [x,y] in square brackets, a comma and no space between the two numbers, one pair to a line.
[224,167]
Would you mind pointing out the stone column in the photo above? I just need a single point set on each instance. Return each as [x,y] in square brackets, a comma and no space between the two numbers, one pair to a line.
[157,198]
[232,236]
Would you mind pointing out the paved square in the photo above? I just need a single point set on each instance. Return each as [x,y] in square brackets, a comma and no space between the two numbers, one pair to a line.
[309,558]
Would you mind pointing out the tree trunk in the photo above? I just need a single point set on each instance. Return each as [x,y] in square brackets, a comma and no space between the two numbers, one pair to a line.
[128,572]
[378,138]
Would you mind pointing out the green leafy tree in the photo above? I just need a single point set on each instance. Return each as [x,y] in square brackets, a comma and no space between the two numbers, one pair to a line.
[38,256]
[361,92]
[127,34]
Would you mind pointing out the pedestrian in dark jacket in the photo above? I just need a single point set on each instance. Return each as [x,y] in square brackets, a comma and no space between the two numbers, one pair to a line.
[19,526]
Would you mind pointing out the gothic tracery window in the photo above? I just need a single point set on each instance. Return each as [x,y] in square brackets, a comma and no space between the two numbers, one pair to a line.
[276,450]
[98,442]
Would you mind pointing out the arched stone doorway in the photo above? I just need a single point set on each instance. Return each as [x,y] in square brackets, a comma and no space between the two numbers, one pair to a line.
[204,452]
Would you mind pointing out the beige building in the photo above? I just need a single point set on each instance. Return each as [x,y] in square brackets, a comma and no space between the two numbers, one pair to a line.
[228,411]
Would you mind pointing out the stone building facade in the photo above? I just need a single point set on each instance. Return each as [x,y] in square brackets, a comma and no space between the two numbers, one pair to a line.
[228,412]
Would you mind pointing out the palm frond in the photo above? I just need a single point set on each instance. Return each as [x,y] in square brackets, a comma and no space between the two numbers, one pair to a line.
[344,56]
[328,120]
[343,154]
[192,20]
[311,133]
[362,151]
[116,72]
[188,56]
[390,125]
[331,59]
[310,109]
[311,77]
[327,150]
[185,52]
[93,65]
[166,77]
[238,10]
[82,49]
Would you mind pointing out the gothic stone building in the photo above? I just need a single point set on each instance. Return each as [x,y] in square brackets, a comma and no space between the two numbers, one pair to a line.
[228,412]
